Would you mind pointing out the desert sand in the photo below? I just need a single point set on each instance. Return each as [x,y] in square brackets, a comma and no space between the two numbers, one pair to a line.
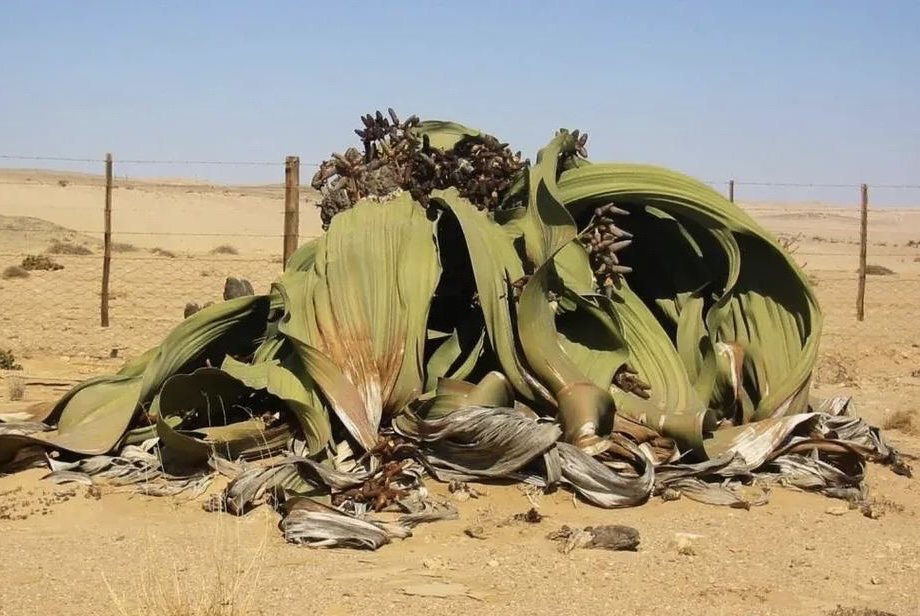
[67,552]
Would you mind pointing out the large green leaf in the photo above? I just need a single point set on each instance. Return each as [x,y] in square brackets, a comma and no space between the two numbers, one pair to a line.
[298,392]
[444,135]
[357,318]
[93,417]
[591,336]
[584,407]
[764,305]
[225,328]
[216,416]
[496,266]
[457,354]
[674,407]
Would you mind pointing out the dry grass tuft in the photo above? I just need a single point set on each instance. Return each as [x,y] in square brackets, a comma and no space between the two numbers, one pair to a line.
[67,248]
[123,247]
[162,252]
[14,271]
[857,611]
[16,387]
[225,249]
[219,580]
[789,243]
[878,270]
[903,421]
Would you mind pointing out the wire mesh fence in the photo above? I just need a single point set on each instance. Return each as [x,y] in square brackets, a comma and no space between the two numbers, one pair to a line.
[172,242]
[176,241]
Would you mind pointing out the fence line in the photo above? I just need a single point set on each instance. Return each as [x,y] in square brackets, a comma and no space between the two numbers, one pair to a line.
[122,302]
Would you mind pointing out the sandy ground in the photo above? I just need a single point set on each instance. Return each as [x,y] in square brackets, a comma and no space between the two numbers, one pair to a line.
[65,552]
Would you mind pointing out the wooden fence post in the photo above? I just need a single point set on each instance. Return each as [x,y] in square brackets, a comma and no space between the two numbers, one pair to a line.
[291,205]
[107,243]
[863,240]
[731,190]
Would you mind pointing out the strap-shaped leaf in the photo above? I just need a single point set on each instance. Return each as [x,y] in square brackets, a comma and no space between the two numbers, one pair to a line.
[357,318]
[765,304]
[496,266]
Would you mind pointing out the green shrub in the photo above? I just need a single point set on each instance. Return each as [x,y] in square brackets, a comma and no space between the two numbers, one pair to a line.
[40,262]
[8,361]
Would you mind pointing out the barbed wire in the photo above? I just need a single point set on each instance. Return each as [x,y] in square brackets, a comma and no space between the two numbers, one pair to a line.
[820,185]
[61,159]
[154,161]
[280,163]
[240,163]
[189,186]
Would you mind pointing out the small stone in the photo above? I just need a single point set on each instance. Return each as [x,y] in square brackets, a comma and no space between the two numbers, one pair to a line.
[670,494]
[875,581]
[190,309]
[837,510]
[614,537]
[237,287]
[475,532]
[492,563]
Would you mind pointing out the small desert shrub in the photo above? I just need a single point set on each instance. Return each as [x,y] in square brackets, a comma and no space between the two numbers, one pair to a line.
[225,249]
[123,247]
[40,262]
[878,270]
[14,271]
[8,361]
[913,243]
[16,388]
[67,248]
[902,421]
[162,252]
[63,183]
[790,243]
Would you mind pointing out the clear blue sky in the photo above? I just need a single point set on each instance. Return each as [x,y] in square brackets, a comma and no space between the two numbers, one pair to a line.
[802,91]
